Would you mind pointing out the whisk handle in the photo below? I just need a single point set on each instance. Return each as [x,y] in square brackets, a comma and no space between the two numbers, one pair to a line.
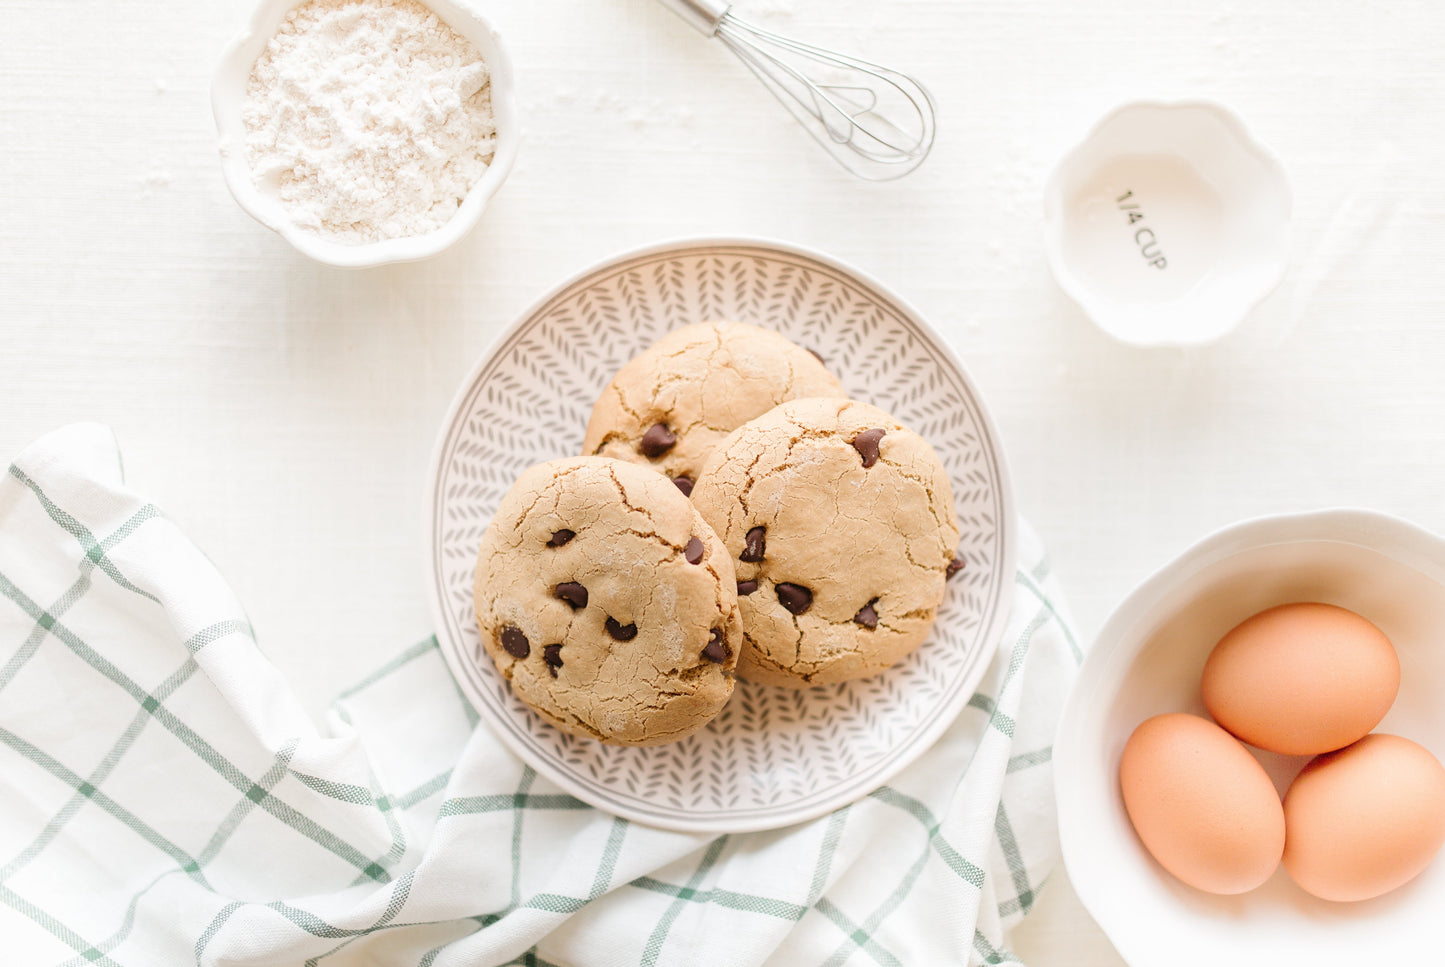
[705,15]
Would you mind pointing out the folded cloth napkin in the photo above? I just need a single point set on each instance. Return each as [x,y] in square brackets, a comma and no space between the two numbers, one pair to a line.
[164,799]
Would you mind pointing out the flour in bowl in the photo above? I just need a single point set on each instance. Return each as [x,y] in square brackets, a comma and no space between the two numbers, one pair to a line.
[368,119]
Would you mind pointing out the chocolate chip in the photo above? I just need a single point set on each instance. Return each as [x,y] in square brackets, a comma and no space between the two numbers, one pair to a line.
[552,655]
[756,545]
[717,650]
[795,597]
[954,566]
[561,537]
[866,443]
[657,440]
[693,553]
[515,643]
[621,632]
[746,588]
[573,593]
[684,484]
[867,616]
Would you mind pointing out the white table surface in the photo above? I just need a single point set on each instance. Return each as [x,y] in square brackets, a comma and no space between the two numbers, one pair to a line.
[284,412]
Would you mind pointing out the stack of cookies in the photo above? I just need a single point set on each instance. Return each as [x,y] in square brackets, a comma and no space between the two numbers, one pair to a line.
[735,512]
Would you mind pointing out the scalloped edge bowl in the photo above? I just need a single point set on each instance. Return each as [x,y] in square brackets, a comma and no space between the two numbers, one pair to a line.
[1216,195]
[228,95]
[1148,659]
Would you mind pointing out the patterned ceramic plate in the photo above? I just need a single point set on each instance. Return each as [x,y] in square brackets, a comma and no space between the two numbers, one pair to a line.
[774,756]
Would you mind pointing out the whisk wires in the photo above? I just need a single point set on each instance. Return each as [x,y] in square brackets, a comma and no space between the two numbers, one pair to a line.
[851,111]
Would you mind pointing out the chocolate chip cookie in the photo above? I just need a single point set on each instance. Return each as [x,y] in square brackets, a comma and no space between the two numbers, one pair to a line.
[608,602]
[842,525]
[670,406]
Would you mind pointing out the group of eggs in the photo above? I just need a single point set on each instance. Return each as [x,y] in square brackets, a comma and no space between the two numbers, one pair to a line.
[1366,816]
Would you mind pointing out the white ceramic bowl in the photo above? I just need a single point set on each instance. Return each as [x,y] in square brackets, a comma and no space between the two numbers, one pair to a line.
[1148,660]
[1168,223]
[228,97]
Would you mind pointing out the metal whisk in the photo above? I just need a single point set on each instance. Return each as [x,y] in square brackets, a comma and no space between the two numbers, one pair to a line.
[874,121]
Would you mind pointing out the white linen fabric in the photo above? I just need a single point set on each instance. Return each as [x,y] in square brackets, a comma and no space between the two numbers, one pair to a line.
[164,799]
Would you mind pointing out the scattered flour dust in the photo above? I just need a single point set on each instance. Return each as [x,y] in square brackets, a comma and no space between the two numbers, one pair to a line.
[368,119]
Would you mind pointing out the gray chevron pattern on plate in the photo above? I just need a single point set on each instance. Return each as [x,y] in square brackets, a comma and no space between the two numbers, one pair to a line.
[773,756]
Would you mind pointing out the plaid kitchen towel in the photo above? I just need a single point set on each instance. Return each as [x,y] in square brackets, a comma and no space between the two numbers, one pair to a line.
[165,800]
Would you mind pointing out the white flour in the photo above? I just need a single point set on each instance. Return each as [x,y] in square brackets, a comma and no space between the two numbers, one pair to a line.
[369,119]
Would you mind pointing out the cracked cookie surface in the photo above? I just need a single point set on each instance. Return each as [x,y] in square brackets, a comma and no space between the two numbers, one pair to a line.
[608,602]
[672,404]
[841,525]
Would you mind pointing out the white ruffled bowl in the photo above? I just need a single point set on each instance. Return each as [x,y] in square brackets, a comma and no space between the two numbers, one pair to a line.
[228,97]
[1168,223]
[1148,660]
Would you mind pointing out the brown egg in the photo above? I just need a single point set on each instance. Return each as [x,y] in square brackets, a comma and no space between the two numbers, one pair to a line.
[1301,679]
[1364,820]
[1201,804]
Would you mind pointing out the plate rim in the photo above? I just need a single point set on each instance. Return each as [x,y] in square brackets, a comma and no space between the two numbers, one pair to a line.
[733,821]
